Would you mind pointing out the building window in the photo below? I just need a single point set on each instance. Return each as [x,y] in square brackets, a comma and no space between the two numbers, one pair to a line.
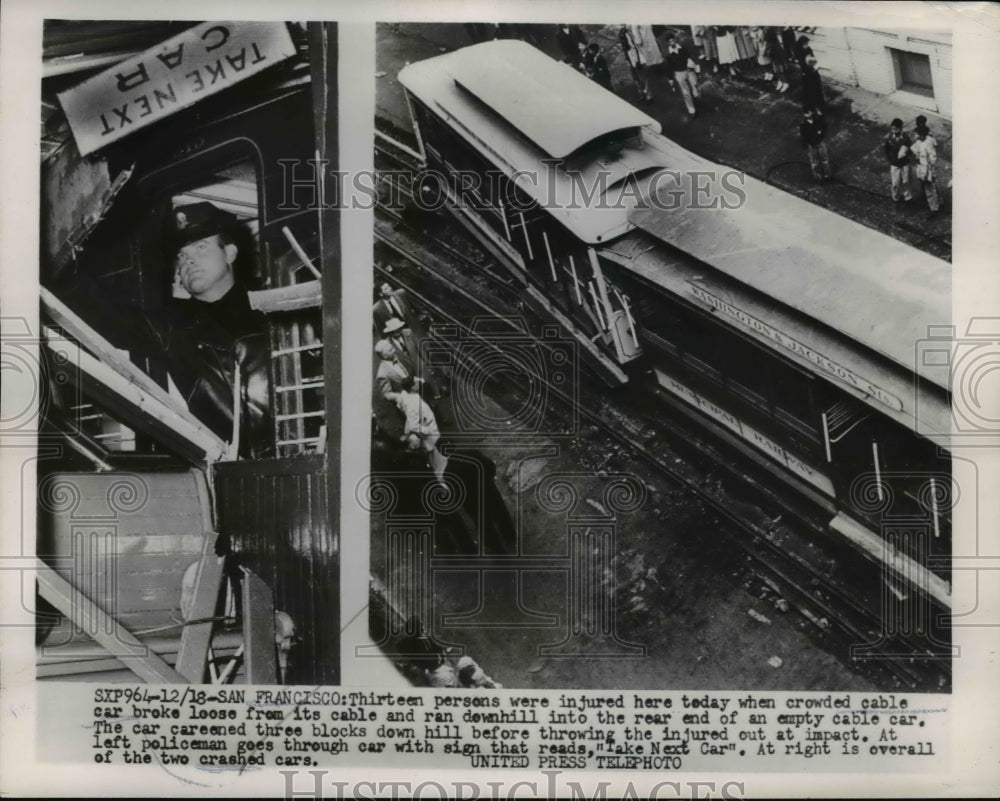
[913,72]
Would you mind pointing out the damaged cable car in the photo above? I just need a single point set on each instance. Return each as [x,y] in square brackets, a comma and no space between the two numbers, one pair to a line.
[175,545]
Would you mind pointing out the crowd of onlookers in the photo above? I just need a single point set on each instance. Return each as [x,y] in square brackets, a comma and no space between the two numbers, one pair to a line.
[774,56]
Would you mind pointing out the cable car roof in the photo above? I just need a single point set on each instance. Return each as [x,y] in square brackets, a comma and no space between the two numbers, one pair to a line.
[857,281]
[548,101]
[519,109]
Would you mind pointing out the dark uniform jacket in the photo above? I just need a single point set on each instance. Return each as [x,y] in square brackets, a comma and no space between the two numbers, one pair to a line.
[200,344]
[812,88]
[570,39]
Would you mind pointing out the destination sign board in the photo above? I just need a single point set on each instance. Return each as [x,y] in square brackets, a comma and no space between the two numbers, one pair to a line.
[175,74]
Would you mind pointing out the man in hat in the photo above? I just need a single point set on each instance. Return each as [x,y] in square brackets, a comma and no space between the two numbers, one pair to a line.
[401,338]
[391,303]
[202,243]
[392,374]
[205,336]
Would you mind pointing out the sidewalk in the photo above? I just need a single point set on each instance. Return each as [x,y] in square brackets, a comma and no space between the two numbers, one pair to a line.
[745,124]
[741,123]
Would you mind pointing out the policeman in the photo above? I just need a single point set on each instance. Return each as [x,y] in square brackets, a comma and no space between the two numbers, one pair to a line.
[202,240]
[229,335]
[206,336]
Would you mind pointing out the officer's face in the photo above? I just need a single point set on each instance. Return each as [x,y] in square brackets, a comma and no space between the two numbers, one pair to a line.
[205,268]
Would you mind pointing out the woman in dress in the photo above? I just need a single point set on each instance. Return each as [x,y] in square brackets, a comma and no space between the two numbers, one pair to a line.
[763,56]
[728,54]
[704,36]
[746,48]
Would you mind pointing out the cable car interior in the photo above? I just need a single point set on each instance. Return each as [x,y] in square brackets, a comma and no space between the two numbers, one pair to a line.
[167,550]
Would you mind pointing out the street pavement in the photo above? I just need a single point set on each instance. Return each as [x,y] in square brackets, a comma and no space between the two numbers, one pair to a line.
[741,123]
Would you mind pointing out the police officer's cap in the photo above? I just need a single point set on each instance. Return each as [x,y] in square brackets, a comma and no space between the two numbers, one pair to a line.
[196,221]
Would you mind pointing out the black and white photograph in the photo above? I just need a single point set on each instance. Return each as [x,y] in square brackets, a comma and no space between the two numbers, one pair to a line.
[646,409]
[186,528]
[550,399]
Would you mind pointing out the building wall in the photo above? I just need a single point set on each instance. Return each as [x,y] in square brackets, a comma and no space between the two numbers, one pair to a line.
[862,57]
[833,53]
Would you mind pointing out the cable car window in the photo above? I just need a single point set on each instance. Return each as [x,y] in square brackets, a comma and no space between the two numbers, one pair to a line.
[704,353]
[747,374]
[792,393]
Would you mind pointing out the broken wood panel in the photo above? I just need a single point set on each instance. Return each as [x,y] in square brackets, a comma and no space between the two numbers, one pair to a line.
[141,624]
[108,632]
[137,408]
[258,631]
[80,658]
[196,638]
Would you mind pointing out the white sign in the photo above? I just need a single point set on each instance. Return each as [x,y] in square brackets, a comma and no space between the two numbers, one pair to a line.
[824,363]
[746,432]
[176,74]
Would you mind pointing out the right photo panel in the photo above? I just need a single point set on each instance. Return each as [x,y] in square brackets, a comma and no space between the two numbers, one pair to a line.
[660,357]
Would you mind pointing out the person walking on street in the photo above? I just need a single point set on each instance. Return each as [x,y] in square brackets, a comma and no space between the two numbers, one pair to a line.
[812,131]
[897,152]
[925,150]
[596,66]
[571,44]
[764,60]
[681,65]
[703,37]
[802,51]
[641,51]
[812,86]
[778,58]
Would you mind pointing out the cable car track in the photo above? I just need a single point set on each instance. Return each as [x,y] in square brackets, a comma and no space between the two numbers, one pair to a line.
[840,611]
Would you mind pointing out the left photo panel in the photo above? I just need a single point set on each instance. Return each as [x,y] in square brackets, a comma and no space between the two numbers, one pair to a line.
[188,458]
